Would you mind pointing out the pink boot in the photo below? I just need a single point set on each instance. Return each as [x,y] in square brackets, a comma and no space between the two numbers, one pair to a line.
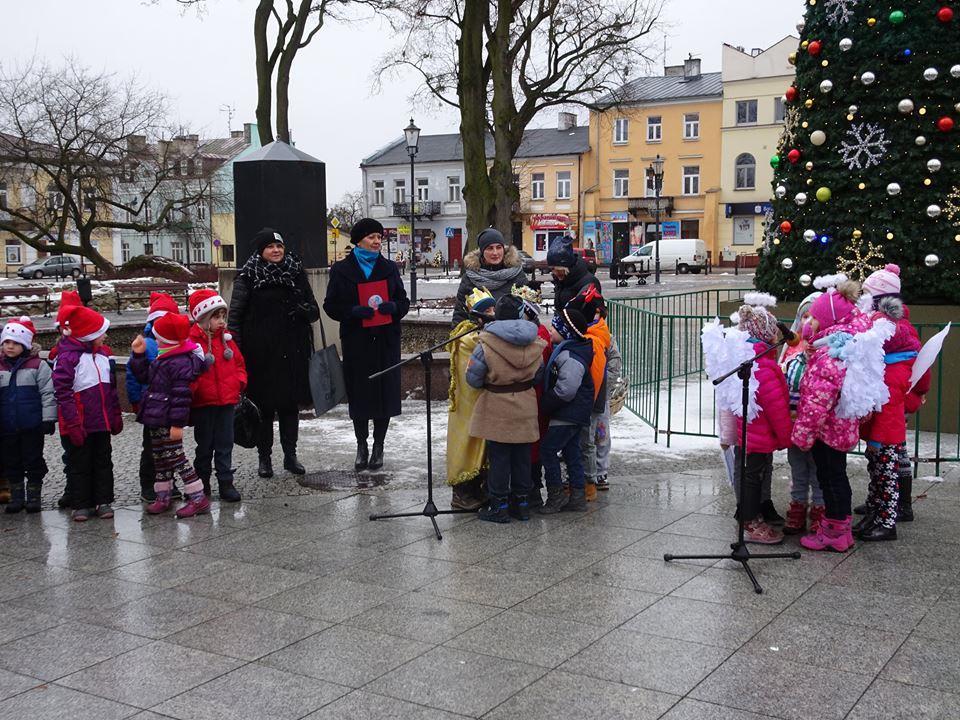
[833,535]
[816,517]
[194,507]
[160,505]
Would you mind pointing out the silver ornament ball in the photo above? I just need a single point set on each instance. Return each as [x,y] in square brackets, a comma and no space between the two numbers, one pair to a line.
[905,106]
[800,26]
[955,71]
[921,140]
[826,86]
[781,191]
[809,235]
[800,198]
[868,78]
[931,74]
[818,137]
[853,110]
[893,189]
[933,211]
[846,44]
[805,280]
[931,260]
[787,263]
[934,165]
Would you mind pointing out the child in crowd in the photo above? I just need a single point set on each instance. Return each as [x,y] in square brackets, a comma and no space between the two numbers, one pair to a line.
[68,299]
[567,399]
[505,366]
[165,409]
[160,305]
[769,431]
[216,392]
[88,409]
[28,411]
[602,434]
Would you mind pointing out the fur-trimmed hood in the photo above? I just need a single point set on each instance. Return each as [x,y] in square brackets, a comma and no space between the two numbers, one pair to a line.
[891,306]
[511,258]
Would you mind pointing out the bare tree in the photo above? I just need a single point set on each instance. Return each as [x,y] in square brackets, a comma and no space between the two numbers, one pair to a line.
[515,59]
[349,210]
[70,139]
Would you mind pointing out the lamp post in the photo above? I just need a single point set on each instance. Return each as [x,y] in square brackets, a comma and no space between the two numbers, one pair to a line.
[412,135]
[656,171]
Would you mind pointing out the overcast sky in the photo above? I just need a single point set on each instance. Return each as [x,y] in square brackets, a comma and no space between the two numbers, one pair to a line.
[206,63]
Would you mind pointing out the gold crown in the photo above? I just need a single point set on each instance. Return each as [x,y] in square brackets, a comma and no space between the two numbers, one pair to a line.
[527,293]
[476,296]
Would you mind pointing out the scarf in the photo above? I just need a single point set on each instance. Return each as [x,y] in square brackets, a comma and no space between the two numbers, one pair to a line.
[494,280]
[599,335]
[366,259]
[267,274]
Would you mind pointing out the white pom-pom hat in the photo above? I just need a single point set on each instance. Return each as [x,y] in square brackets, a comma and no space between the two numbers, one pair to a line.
[20,330]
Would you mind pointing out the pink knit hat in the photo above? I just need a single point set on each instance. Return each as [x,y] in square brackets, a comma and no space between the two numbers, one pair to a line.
[883,282]
[831,307]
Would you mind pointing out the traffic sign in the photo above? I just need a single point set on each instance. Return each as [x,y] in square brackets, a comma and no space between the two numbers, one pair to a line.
[335,232]
[335,223]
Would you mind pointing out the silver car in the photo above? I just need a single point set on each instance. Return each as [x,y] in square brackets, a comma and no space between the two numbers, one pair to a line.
[56,266]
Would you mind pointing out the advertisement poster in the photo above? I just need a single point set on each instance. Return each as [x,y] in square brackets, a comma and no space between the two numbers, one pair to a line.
[671,229]
[604,243]
[636,238]
[589,239]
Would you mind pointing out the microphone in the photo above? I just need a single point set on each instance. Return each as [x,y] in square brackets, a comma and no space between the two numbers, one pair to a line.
[789,336]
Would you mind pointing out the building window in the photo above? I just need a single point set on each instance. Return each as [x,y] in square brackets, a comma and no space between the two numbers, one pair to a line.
[746,172]
[690,229]
[453,189]
[184,166]
[746,112]
[691,126]
[3,195]
[399,191]
[779,110]
[537,184]
[226,253]
[54,198]
[199,252]
[423,189]
[654,128]
[621,131]
[176,250]
[563,185]
[201,212]
[124,251]
[378,192]
[691,179]
[649,188]
[621,183]
[13,252]
[148,248]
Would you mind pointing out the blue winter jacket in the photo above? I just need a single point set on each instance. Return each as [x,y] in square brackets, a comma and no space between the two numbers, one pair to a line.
[135,388]
[568,390]
[26,394]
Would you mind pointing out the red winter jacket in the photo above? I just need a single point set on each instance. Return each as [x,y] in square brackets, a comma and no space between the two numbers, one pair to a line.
[770,430]
[225,380]
[888,426]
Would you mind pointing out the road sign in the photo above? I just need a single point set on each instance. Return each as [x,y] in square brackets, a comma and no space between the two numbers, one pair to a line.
[335,223]
[335,232]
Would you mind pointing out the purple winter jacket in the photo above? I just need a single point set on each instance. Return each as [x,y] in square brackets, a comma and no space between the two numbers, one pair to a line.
[85,389]
[167,398]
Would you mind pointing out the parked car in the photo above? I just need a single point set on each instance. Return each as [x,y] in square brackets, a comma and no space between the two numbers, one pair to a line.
[686,255]
[590,255]
[56,266]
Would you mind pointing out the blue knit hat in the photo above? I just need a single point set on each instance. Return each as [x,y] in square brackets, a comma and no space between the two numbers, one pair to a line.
[561,254]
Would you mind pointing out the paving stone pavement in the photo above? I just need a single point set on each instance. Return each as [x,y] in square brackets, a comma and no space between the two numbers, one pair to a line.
[293,604]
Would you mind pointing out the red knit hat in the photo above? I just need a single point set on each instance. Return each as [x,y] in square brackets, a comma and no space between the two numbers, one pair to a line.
[84,324]
[205,301]
[68,299]
[171,328]
[20,330]
[161,304]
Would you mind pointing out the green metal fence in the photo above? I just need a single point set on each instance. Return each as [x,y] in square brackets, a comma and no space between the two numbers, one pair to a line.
[659,338]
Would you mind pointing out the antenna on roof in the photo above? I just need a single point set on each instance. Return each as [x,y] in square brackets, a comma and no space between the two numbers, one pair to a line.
[230,111]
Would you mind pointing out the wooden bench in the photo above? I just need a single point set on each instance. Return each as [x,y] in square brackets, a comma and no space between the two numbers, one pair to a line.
[26,296]
[141,291]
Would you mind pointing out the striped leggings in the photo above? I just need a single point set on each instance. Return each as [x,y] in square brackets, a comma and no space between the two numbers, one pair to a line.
[169,460]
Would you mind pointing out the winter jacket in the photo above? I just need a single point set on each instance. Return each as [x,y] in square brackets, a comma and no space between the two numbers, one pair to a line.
[770,430]
[135,389]
[578,278]
[499,281]
[85,388]
[543,420]
[26,394]
[888,426]
[820,392]
[167,400]
[225,380]
[568,387]
[505,365]
[599,334]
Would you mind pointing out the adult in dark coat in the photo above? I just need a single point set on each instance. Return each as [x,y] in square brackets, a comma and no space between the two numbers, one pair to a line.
[570,272]
[494,266]
[271,311]
[368,350]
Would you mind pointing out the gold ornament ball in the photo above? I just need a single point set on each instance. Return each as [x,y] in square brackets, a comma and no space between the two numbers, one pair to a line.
[809,181]
[957,237]
[808,103]
[849,117]
[804,124]
[792,58]
[871,22]
[857,234]
[804,45]
[889,236]
[776,241]
[922,111]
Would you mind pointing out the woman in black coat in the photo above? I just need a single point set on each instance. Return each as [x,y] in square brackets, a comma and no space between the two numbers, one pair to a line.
[368,350]
[271,311]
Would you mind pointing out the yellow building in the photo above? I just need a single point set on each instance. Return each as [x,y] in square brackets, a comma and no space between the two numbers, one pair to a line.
[676,116]
[753,116]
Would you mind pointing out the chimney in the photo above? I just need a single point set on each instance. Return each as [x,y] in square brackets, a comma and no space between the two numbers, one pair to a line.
[236,134]
[566,121]
[136,143]
[754,52]
[691,68]
[673,71]
[248,132]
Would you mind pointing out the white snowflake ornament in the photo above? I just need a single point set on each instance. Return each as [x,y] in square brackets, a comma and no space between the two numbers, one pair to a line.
[864,146]
[839,12]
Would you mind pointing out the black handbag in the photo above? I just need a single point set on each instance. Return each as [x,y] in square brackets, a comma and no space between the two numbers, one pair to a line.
[246,423]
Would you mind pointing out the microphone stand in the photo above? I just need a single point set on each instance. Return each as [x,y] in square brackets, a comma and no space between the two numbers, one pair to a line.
[426,359]
[739,551]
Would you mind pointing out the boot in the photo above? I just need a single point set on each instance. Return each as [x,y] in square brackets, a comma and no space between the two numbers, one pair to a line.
[33,504]
[602,483]
[833,535]
[905,506]
[796,518]
[376,457]
[289,427]
[291,463]
[878,533]
[590,491]
[363,456]
[862,509]
[228,492]
[161,504]
[64,502]
[770,514]
[577,501]
[520,507]
[865,523]
[466,496]
[762,533]
[197,505]
[16,503]
[496,510]
[265,468]
[556,500]
[817,513]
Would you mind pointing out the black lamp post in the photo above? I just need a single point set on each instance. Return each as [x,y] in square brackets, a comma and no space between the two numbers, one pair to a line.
[656,172]
[412,135]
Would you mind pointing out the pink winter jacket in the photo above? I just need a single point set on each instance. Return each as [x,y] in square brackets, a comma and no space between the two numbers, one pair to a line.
[770,430]
[820,392]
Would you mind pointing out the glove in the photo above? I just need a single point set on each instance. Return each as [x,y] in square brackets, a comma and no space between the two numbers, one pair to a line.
[48,427]
[176,434]
[76,435]
[387,308]
[361,312]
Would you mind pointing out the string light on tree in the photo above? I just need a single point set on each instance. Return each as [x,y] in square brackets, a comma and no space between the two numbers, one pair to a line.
[857,262]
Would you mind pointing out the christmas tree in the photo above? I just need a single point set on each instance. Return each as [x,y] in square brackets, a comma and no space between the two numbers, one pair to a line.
[868,168]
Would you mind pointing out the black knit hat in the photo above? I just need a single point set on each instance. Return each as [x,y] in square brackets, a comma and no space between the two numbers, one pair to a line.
[266,237]
[509,307]
[570,324]
[488,237]
[364,227]
[561,254]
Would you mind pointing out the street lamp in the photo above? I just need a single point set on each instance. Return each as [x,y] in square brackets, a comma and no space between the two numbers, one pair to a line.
[656,172]
[412,135]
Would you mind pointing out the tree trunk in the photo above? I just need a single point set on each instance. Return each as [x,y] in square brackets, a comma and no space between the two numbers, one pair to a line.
[504,110]
[472,95]
[264,72]
[90,252]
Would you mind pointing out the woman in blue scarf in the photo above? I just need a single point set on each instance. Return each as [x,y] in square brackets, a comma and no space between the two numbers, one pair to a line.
[366,296]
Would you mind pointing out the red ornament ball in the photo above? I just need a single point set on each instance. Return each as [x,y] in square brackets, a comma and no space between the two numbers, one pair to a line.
[786,227]
[945,124]
[814,48]
[945,14]
[791,93]
[794,155]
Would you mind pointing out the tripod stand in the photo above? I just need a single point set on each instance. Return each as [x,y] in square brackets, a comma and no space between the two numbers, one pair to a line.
[426,359]
[739,551]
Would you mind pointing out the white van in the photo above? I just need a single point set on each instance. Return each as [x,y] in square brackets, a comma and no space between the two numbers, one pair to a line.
[687,255]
